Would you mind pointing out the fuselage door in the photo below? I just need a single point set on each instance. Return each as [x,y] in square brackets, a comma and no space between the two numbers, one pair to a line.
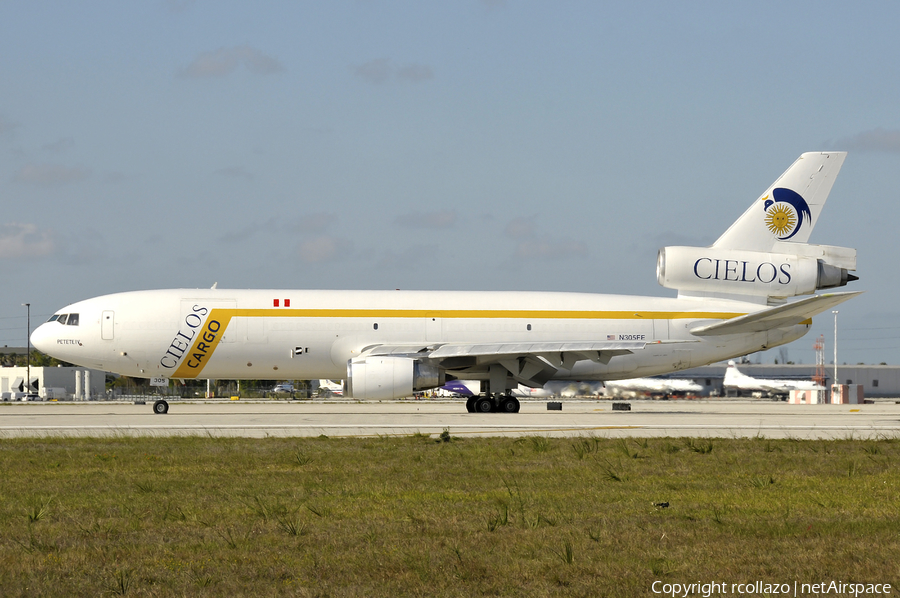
[660,330]
[433,328]
[107,325]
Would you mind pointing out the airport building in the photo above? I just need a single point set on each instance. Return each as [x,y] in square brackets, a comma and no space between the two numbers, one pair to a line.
[62,383]
[879,381]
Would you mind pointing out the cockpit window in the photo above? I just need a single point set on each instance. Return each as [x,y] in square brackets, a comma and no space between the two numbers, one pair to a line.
[67,319]
[53,318]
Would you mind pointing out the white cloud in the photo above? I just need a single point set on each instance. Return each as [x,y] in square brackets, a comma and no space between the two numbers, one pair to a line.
[313,223]
[225,61]
[24,240]
[439,219]
[238,172]
[323,248]
[410,258]
[205,259]
[50,174]
[179,5]
[520,227]
[380,71]
[6,127]
[653,243]
[59,146]
[550,249]
[247,232]
[87,248]
[533,245]
[874,140]
[415,73]
[375,71]
[118,177]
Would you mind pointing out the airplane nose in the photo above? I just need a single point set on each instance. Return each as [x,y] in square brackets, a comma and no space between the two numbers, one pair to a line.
[40,339]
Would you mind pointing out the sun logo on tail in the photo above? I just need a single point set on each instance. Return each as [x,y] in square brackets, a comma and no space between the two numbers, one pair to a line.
[781,219]
[785,213]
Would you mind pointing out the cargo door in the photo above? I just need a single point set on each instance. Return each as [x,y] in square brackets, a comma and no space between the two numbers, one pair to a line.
[660,330]
[434,328]
[196,312]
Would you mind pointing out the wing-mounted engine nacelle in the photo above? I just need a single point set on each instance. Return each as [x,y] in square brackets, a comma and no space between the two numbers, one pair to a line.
[738,272]
[390,377]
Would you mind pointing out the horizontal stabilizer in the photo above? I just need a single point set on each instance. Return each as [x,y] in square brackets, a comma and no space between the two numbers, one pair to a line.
[781,316]
[841,257]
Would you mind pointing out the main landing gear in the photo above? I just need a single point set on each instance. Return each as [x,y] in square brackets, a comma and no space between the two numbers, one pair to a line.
[496,404]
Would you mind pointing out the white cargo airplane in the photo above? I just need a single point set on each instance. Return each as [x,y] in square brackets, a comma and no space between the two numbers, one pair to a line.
[566,389]
[732,300]
[735,379]
[330,388]
[652,386]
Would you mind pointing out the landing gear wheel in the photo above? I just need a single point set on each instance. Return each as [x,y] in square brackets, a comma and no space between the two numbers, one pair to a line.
[160,407]
[484,405]
[509,405]
[470,404]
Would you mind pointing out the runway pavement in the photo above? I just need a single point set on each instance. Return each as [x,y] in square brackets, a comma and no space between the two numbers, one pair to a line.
[709,418]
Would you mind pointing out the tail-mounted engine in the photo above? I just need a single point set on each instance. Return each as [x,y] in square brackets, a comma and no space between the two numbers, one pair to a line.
[382,377]
[805,270]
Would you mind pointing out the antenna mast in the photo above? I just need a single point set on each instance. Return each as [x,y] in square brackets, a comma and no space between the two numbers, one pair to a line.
[819,346]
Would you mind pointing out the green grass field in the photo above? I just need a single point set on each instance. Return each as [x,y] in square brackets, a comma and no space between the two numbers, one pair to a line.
[425,516]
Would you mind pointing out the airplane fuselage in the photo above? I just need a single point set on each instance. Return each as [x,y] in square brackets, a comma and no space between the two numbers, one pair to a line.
[278,334]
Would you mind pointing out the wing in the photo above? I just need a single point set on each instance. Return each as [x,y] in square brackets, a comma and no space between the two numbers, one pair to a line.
[530,364]
[770,387]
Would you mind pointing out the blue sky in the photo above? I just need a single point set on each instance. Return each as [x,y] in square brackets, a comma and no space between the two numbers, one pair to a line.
[419,145]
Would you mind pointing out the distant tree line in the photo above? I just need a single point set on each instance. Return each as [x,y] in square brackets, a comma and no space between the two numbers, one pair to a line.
[38,359]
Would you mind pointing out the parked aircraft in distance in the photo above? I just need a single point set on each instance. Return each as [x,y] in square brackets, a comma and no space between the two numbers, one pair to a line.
[330,388]
[732,300]
[664,387]
[618,388]
[566,389]
[326,388]
[735,380]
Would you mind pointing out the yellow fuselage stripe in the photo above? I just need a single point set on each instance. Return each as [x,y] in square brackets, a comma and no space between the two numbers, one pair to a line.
[228,313]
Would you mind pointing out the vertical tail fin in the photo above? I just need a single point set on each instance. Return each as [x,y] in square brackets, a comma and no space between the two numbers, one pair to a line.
[733,375]
[764,256]
[790,207]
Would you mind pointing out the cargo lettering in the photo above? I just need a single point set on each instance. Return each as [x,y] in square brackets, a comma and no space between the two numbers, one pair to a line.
[203,348]
[183,338]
